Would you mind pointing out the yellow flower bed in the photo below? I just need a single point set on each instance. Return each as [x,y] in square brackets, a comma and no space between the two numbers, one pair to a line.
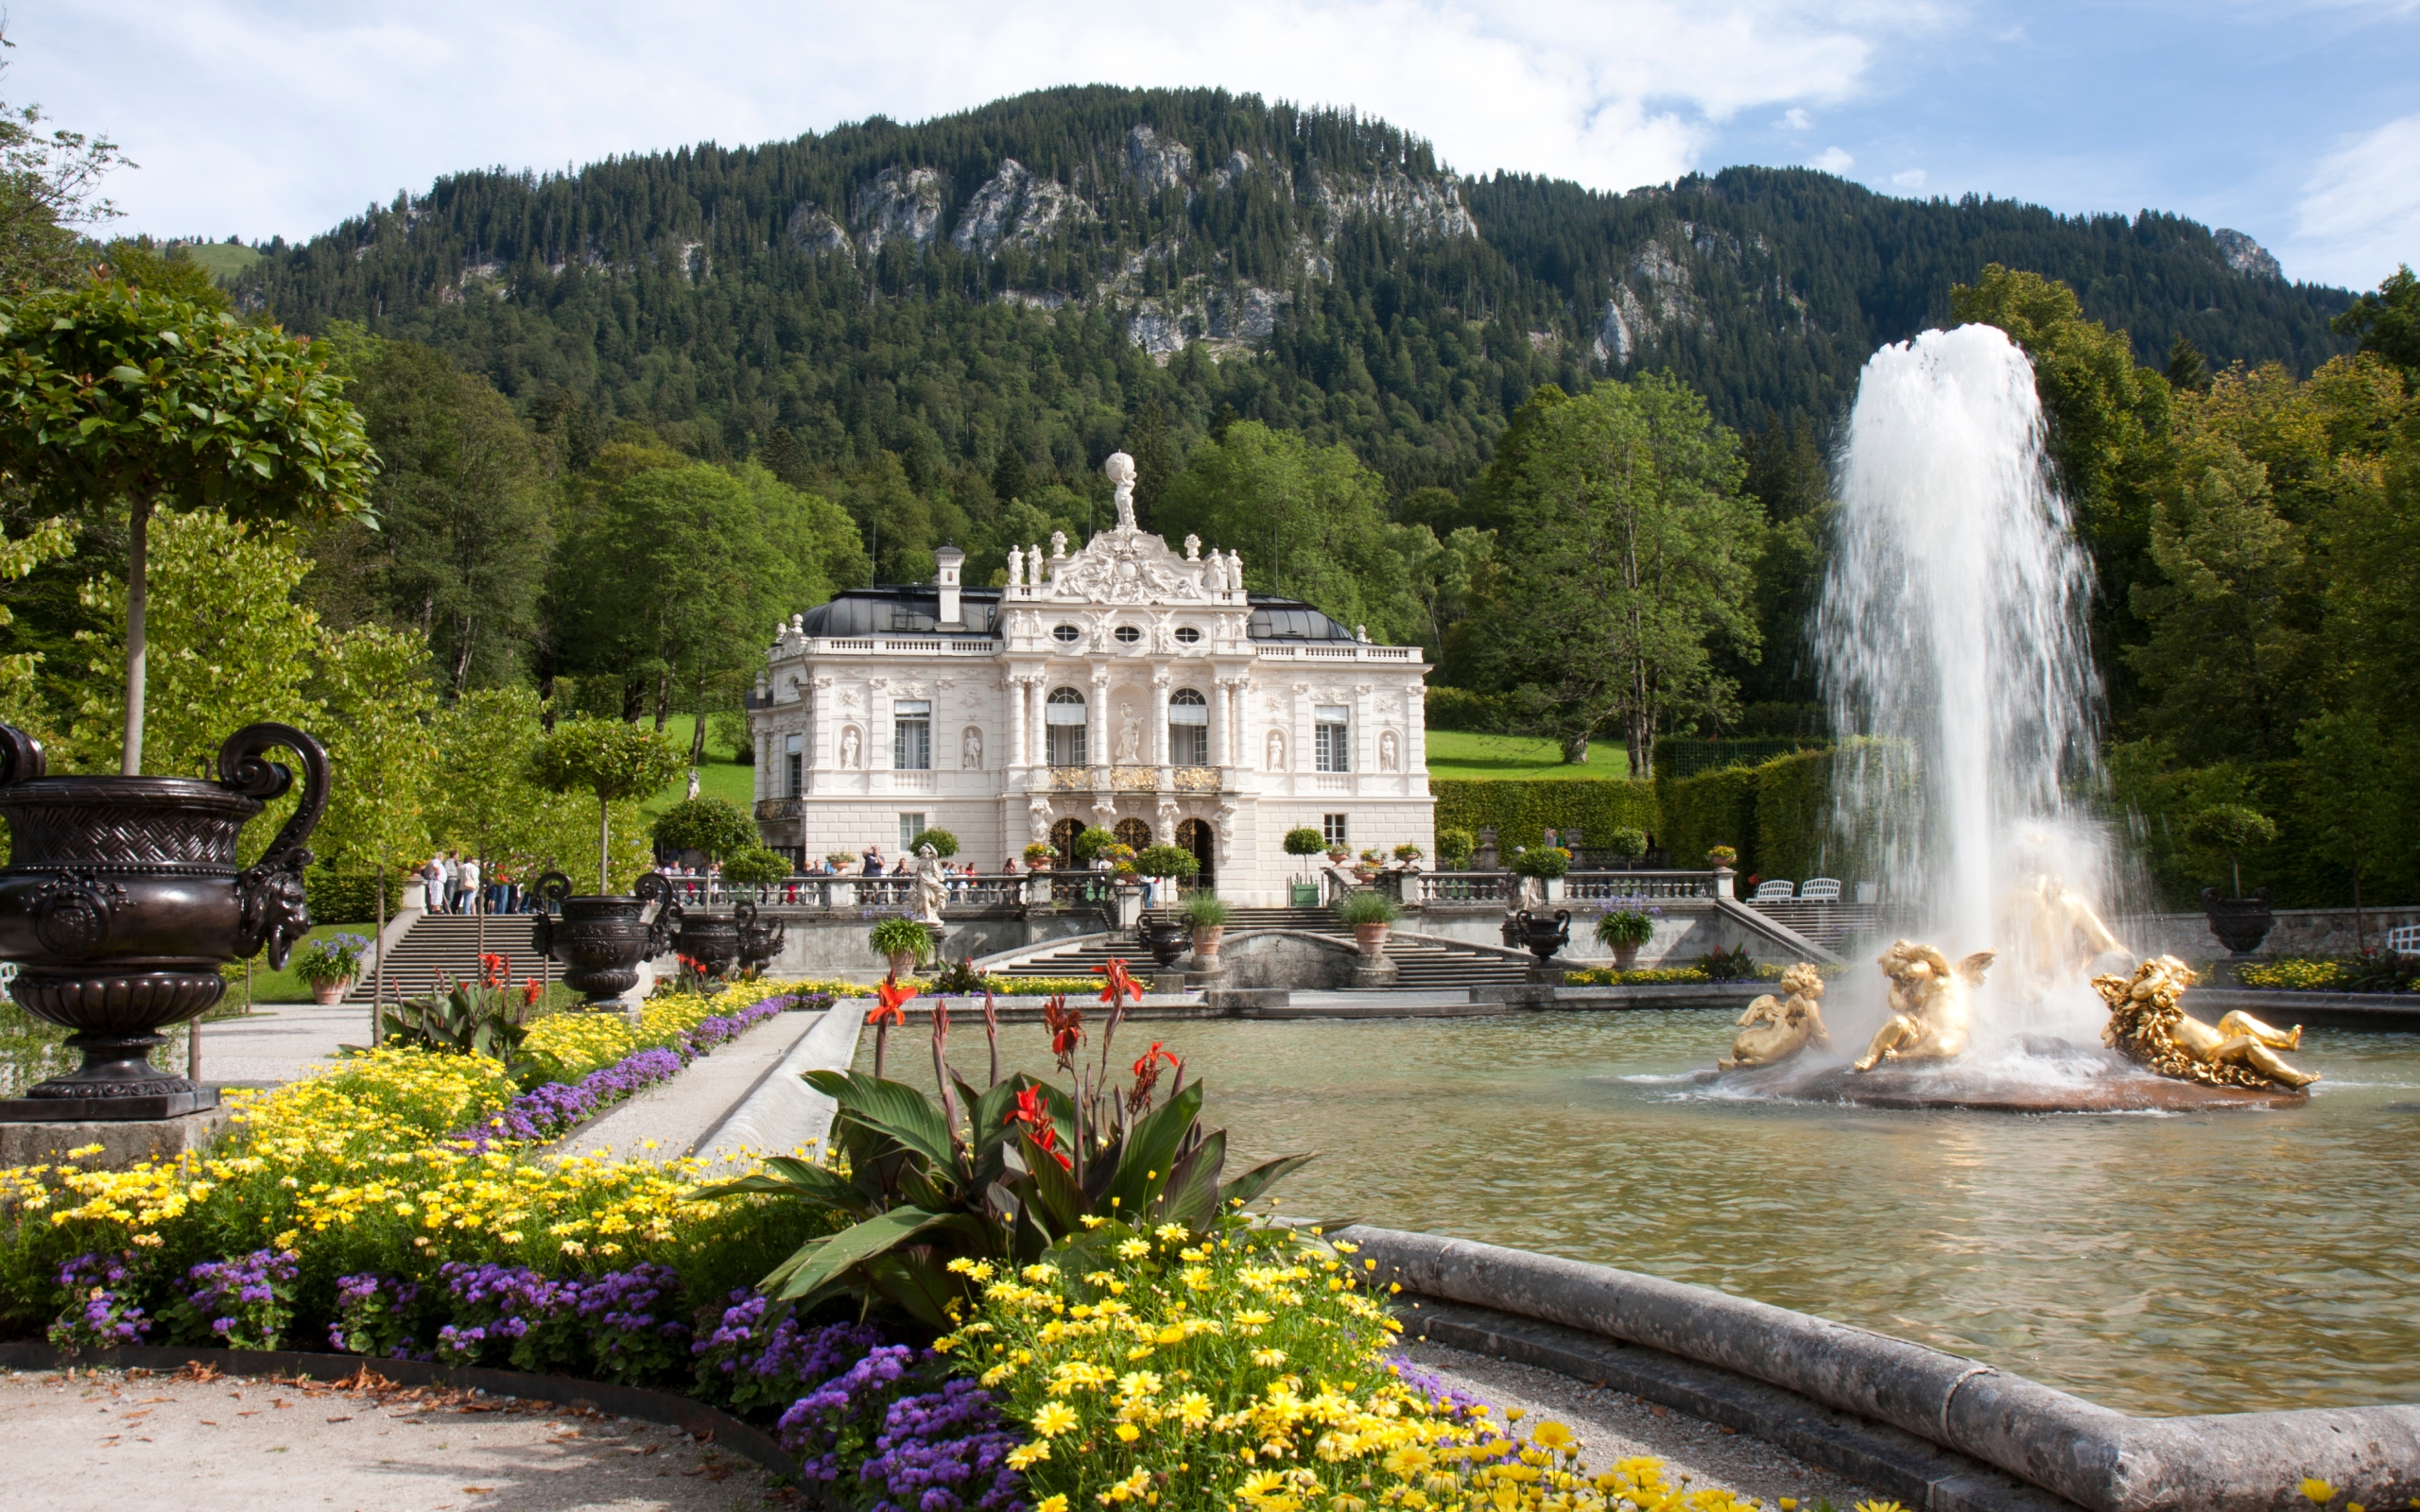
[567,1046]
[2292,975]
[1248,1372]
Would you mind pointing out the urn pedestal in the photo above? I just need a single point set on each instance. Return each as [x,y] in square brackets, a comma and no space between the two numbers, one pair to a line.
[601,940]
[122,899]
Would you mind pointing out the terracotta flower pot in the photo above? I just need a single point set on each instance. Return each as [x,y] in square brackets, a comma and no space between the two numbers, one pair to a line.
[1625,955]
[903,964]
[122,898]
[327,994]
[601,940]
[1205,940]
[1371,937]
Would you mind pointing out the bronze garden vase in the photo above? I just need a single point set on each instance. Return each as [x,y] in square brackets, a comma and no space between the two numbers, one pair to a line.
[122,898]
[601,940]
[711,940]
[760,940]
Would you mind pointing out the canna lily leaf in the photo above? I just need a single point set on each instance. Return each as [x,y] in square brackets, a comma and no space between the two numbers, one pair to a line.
[894,1110]
[1191,1194]
[1260,1178]
[1150,1150]
[819,1264]
[784,1176]
[917,1287]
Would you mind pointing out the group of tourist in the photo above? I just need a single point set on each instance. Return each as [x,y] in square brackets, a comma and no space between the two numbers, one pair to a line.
[456,884]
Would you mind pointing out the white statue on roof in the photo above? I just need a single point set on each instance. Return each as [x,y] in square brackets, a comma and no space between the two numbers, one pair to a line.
[1121,469]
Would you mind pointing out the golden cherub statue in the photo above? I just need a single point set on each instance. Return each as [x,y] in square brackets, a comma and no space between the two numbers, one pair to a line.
[1929,1018]
[1774,1029]
[2048,931]
[2147,1024]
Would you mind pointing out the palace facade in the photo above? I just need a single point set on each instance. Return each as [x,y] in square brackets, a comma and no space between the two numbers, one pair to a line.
[1124,685]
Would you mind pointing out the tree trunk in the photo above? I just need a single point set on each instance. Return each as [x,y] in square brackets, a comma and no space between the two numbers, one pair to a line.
[698,743]
[137,570]
[604,845]
[662,700]
[633,700]
[1574,751]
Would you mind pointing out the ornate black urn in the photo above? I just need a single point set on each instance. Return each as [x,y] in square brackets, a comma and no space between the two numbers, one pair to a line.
[121,899]
[602,941]
[760,940]
[711,940]
[1540,936]
[1165,938]
[2241,923]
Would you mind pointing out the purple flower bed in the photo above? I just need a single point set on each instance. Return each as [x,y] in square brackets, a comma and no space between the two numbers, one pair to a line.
[743,1364]
[99,1310]
[942,1452]
[374,1317]
[544,1113]
[244,1304]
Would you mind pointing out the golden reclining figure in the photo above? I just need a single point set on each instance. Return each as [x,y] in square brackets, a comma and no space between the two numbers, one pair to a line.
[1930,1017]
[1774,1029]
[2147,1024]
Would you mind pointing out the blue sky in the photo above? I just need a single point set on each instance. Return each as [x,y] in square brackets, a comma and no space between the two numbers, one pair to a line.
[2298,123]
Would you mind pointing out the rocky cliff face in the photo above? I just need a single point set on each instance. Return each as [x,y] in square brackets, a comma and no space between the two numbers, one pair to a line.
[2245,255]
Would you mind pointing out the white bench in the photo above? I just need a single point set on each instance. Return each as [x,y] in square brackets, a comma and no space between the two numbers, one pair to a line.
[1772,892]
[1820,890]
[2403,939]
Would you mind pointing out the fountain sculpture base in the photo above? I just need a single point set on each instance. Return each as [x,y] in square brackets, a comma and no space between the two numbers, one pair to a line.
[2049,1076]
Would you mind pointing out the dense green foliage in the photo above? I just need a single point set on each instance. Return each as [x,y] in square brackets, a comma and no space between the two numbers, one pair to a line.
[723,294]
[1521,813]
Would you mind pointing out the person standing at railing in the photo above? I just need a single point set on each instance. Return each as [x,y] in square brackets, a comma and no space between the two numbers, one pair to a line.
[467,894]
[872,859]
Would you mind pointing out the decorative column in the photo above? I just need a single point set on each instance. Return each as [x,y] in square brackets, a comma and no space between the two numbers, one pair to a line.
[1037,749]
[1015,754]
[763,763]
[1160,721]
[1415,731]
[1096,714]
[1222,745]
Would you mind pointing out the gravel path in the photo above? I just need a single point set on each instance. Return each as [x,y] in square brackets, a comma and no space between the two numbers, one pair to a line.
[1613,1425]
[213,1443]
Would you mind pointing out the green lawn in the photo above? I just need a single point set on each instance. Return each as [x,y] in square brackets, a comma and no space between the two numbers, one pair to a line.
[1516,758]
[719,777]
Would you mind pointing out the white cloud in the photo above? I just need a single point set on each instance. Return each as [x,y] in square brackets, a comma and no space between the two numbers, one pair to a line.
[1794,119]
[2359,215]
[1832,160]
[1911,179]
[261,116]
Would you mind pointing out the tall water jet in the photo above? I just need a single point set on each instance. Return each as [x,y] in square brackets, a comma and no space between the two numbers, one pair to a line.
[1951,635]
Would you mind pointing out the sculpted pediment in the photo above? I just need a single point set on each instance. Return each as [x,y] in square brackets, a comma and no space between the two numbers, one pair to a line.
[1128,566]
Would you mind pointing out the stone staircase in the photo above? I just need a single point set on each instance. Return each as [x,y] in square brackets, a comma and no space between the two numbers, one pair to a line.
[1420,965]
[447,946]
[1826,924]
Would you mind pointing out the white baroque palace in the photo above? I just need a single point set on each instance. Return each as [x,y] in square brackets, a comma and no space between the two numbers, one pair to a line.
[1125,685]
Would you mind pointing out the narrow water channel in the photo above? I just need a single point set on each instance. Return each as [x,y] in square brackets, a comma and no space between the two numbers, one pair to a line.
[2162,1264]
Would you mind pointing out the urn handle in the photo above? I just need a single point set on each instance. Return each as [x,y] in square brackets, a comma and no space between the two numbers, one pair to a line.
[551,889]
[656,888]
[272,906]
[21,757]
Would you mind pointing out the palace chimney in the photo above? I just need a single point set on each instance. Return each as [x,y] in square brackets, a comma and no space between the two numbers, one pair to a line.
[947,563]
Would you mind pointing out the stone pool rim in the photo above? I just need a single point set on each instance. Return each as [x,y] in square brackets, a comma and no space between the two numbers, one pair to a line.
[2091,1455]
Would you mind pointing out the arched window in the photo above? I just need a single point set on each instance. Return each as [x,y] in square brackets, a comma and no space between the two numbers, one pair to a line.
[1062,716]
[1135,832]
[1063,838]
[1188,727]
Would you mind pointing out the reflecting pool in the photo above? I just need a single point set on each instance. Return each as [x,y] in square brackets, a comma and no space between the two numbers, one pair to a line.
[2207,1262]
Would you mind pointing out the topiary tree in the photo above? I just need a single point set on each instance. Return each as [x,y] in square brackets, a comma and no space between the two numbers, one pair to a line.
[1544,862]
[1454,848]
[1092,842]
[713,825]
[943,843]
[1628,843]
[756,867]
[2229,830]
[118,398]
[1304,842]
[608,757]
[1168,861]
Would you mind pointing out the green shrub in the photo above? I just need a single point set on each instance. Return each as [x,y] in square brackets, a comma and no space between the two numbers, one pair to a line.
[1625,927]
[1714,808]
[1626,844]
[1366,905]
[943,843]
[1094,841]
[1204,911]
[713,826]
[348,898]
[756,867]
[1461,708]
[1453,848]
[1544,862]
[1304,842]
[2227,831]
[894,936]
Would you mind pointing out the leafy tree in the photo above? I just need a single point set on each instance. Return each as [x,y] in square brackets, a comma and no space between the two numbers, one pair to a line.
[116,398]
[1151,441]
[49,184]
[20,702]
[1309,521]
[2186,371]
[2229,830]
[757,867]
[1627,557]
[486,800]
[2387,322]
[465,529]
[614,761]
[2353,787]
[711,825]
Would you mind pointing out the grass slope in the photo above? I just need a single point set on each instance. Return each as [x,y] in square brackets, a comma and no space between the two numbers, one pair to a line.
[1455,753]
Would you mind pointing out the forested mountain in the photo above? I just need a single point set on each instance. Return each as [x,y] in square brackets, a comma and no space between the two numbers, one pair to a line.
[1010,287]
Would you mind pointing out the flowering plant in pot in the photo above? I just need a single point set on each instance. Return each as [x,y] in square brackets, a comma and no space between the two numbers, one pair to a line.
[122,897]
[1722,855]
[1623,932]
[331,964]
[1369,913]
[1039,856]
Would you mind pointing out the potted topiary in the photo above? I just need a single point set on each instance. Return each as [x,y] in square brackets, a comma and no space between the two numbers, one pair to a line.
[903,943]
[2228,830]
[760,939]
[1626,845]
[715,828]
[1453,848]
[1206,916]
[1369,913]
[1173,862]
[331,965]
[1303,843]
[601,937]
[1547,863]
[123,897]
[1623,932]
[1093,843]
[943,843]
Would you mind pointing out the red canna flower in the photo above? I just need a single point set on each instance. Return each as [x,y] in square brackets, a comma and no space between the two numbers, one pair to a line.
[529,991]
[1147,1075]
[1066,1026]
[1142,1062]
[494,971]
[1034,1115]
[1117,981]
[890,1001]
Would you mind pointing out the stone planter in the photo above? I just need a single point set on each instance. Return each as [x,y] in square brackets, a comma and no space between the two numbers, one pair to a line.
[1371,937]
[2241,923]
[601,940]
[122,898]
[1540,936]
[327,994]
[903,964]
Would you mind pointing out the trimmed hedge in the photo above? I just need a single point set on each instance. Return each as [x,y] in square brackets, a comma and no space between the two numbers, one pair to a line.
[348,898]
[1523,811]
[1777,815]
[1712,808]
